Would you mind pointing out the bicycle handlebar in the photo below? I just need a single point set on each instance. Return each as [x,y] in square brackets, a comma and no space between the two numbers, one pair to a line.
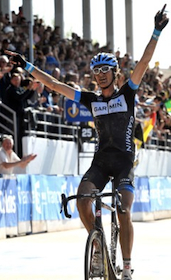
[64,204]
[65,200]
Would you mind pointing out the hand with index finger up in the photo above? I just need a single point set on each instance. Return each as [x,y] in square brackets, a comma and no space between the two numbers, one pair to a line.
[161,19]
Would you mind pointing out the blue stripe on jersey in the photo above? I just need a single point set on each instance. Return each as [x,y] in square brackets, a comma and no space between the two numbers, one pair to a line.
[77,96]
[132,85]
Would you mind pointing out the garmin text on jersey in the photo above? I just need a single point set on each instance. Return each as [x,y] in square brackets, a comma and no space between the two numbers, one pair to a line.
[113,106]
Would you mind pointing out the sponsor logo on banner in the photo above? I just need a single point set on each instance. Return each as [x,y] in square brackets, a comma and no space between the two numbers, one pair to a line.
[24,198]
[76,112]
[8,202]
[160,193]
[142,195]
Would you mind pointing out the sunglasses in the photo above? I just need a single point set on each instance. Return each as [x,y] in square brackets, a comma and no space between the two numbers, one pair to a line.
[104,69]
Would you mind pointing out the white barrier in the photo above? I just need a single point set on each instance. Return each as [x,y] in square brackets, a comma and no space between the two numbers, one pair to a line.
[53,156]
[153,163]
[61,157]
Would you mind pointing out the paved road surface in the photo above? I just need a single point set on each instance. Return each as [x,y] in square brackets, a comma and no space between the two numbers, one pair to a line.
[60,255]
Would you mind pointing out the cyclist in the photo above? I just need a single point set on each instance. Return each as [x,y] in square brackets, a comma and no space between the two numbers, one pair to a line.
[113,113]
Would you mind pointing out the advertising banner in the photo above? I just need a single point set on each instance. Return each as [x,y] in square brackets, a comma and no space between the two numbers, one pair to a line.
[76,112]
[36,200]
[160,193]
[142,195]
[11,203]
[39,197]
[71,189]
[55,186]
[46,196]
[2,204]
[24,198]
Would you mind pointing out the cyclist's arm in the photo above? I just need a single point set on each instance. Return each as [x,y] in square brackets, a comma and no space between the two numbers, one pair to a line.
[43,77]
[142,65]
[161,21]
[53,83]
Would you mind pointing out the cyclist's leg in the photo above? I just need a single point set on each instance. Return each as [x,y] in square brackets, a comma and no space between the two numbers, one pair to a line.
[84,206]
[126,189]
[126,227]
[94,178]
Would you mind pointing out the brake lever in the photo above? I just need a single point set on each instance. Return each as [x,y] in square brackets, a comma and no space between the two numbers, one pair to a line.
[64,206]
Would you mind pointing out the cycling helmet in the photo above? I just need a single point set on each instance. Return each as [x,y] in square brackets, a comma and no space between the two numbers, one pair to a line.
[103,58]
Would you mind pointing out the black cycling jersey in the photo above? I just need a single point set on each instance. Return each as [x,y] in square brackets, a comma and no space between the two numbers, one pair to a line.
[114,119]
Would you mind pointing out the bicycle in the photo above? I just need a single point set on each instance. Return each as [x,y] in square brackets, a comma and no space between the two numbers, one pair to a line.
[110,269]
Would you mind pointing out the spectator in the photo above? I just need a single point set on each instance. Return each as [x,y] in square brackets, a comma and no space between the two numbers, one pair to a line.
[32,99]
[51,62]
[86,81]
[5,46]
[56,73]
[9,159]
[15,97]
[47,93]
[5,75]
[118,57]
[126,65]
[56,103]
[9,32]
[40,59]
[20,15]
[37,99]
[36,37]
[22,48]
[55,35]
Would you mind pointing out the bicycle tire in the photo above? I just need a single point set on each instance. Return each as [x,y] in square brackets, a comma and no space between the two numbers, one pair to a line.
[116,254]
[96,236]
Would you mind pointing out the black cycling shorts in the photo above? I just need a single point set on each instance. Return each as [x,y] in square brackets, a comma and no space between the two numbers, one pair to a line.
[107,165]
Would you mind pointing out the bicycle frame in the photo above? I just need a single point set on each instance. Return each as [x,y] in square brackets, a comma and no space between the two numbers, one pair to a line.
[115,200]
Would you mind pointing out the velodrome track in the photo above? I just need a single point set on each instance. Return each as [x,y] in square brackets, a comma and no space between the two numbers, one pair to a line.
[60,255]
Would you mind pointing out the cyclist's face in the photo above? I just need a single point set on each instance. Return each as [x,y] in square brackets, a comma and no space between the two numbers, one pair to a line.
[104,75]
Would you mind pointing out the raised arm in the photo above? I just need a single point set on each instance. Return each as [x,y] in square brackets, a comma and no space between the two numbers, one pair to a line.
[161,21]
[43,77]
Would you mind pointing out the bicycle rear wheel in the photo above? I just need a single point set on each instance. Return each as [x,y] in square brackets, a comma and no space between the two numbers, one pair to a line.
[96,237]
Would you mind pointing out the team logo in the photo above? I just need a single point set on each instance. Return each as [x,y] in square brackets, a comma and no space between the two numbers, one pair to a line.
[73,111]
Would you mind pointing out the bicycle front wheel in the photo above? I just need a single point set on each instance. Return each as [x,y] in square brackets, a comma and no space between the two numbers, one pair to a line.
[96,237]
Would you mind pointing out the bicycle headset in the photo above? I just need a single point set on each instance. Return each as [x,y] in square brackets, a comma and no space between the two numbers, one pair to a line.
[105,59]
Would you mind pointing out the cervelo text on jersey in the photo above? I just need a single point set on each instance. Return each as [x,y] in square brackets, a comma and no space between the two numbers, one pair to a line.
[113,106]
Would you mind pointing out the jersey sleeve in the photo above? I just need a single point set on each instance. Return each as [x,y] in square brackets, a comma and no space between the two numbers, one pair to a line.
[132,85]
[86,99]
[77,96]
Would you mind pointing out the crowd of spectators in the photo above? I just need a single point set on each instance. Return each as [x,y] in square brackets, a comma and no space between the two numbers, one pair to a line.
[68,60]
